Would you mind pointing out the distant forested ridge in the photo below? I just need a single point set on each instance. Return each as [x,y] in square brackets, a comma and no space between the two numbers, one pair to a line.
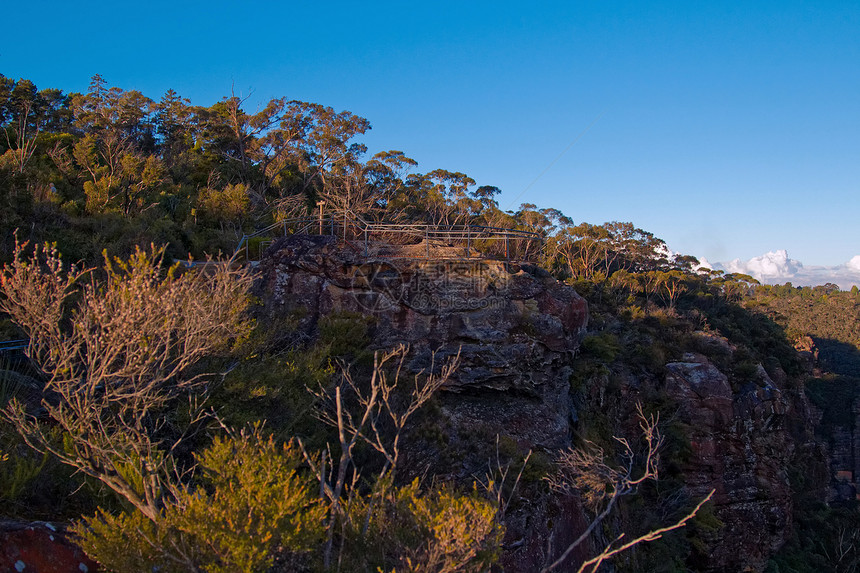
[823,312]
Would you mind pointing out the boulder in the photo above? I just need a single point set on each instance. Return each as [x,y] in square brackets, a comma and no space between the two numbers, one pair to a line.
[40,547]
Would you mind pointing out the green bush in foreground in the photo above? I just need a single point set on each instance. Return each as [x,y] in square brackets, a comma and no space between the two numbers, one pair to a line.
[251,499]
[407,530]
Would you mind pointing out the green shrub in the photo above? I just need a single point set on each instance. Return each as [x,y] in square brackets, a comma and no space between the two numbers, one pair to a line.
[584,287]
[274,388]
[411,531]
[345,334]
[19,468]
[603,347]
[34,485]
[251,500]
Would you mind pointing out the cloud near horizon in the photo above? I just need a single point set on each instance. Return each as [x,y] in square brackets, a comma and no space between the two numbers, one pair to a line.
[776,267]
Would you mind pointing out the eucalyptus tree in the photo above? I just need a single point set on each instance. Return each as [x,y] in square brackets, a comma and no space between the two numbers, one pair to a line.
[638,250]
[584,249]
[115,154]
[327,146]
[385,175]
[289,147]
[107,110]
[176,132]
[24,123]
[32,121]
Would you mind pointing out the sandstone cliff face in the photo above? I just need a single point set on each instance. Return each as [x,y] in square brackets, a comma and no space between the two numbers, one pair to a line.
[744,443]
[517,331]
[841,438]
[741,450]
[514,327]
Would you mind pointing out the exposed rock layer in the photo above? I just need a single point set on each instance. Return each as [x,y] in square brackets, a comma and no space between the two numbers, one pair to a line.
[746,437]
[516,330]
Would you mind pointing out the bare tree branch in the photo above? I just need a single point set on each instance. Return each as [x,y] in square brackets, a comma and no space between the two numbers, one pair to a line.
[116,346]
[587,473]
[374,404]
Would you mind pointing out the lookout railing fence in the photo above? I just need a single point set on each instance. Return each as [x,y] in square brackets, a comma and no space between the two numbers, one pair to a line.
[385,240]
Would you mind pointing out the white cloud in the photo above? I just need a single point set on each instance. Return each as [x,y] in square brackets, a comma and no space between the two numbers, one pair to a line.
[772,265]
[776,267]
[704,264]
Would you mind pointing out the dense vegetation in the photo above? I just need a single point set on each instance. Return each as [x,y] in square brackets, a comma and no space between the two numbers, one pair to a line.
[114,168]
[111,170]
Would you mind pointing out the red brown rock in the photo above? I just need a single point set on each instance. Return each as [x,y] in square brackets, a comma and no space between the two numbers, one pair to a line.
[40,547]
[516,330]
[514,326]
[742,449]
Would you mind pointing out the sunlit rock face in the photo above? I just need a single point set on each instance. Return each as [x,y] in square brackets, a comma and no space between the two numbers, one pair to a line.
[515,328]
[517,331]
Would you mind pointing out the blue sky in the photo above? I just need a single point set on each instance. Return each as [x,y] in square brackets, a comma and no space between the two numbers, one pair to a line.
[727,129]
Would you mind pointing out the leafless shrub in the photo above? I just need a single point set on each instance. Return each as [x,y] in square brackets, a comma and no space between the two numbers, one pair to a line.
[374,407]
[601,485]
[116,346]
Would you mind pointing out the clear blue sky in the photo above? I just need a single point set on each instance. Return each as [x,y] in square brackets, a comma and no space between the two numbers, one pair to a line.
[727,129]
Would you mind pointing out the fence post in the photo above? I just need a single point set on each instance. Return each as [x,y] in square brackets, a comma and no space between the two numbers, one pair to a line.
[427,239]
[468,241]
[507,256]
[365,241]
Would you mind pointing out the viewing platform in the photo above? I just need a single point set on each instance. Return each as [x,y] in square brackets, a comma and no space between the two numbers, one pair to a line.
[386,240]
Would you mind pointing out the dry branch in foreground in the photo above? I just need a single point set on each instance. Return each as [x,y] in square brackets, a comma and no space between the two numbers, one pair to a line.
[586,472]
[116,347]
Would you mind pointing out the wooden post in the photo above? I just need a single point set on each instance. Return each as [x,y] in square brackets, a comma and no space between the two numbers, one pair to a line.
[468,240]
[320,205]
[507,256]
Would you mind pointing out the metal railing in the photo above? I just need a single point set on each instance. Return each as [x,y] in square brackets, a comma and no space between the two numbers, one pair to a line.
[382,240]
[14,345]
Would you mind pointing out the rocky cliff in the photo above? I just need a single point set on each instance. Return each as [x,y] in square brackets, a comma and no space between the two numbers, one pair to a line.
[514,327]
[517,331]
[743,446]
